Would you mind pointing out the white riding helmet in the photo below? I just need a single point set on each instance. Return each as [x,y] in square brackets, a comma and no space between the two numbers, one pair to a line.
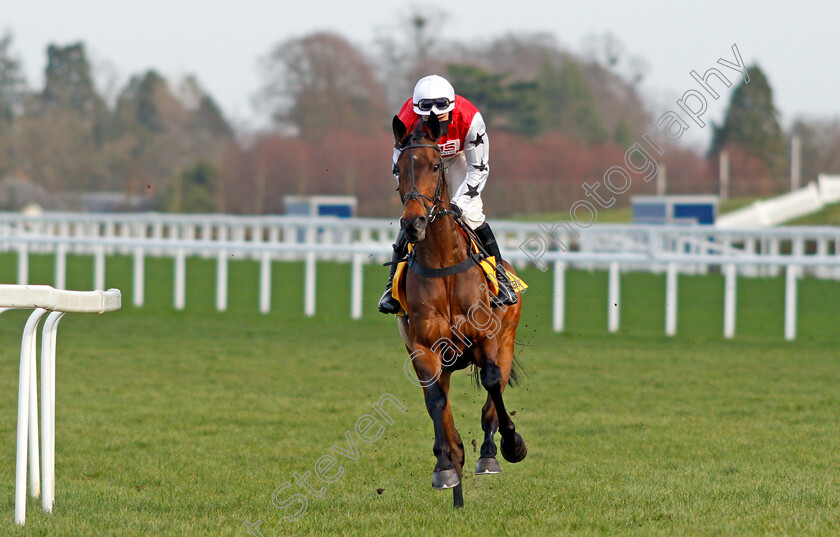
[433,93]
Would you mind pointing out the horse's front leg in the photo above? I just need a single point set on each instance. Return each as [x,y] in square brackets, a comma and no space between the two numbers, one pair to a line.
[427,367]
[453,438]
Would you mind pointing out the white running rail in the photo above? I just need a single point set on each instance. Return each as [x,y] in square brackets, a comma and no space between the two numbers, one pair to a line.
[780,209]
[43,299]
[794,252]
[102,234]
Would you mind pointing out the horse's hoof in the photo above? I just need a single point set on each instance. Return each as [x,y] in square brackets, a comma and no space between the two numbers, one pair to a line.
[445,479]
[487,466]
[515,452]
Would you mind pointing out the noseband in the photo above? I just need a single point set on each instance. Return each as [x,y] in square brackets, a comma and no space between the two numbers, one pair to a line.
[432,211]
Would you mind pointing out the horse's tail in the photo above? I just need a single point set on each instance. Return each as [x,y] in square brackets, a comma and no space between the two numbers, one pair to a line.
[516,370]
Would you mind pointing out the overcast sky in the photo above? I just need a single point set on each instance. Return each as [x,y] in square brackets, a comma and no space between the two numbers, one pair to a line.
[221,42]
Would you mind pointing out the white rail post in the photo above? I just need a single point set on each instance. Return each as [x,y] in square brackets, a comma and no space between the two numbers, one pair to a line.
[139,275]
[671,300]
[265,281]
[180,279]
[837,253]
[34,465]
[48,410]
[157,234]
[61,266]
[559,309]
[23,263]
[27,349]
[822,250]
[357,282]
[729,301]
[41,297]
[110,231]
[702,248]
[309,285]
[614,304]
[221,280]
[99,268]
[798,250]
[773,270]
[750,248]
[790,303]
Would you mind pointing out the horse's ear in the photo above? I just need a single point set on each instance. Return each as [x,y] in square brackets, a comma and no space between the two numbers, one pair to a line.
[433,127]
[399,129]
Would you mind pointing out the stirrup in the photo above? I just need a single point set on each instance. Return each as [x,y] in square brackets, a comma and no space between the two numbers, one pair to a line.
[506,295]
[388,304]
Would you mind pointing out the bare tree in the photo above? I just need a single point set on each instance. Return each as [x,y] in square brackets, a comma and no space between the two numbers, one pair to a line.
[319,82]
[605,49]
[412,49]
[12,96]
[12,81]
[820,145]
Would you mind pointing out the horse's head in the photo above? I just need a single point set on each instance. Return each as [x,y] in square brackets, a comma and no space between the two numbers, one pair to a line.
[420,169]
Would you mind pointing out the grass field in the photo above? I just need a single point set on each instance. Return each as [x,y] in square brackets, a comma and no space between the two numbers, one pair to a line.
[183,423]
[829,216]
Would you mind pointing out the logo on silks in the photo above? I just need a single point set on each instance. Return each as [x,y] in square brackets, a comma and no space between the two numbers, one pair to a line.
[450,148]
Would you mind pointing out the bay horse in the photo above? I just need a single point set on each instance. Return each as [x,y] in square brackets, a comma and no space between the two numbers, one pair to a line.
[445,296]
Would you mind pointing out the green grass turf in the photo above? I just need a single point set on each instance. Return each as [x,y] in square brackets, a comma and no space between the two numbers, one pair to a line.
[183,423]
[829,216]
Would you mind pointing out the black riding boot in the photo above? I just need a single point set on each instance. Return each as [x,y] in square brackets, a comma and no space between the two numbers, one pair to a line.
[389,304]
[507,295]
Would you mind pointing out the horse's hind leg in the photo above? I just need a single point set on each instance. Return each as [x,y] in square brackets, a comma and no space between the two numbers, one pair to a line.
[494,376]
[487,463]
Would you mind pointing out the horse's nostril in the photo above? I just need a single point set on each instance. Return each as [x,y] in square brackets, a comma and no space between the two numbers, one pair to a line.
[421,222]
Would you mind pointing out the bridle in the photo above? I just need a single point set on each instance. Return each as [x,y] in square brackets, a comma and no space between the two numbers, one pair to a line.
[432,210]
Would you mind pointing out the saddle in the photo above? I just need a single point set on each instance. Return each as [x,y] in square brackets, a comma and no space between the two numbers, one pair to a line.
[476,256]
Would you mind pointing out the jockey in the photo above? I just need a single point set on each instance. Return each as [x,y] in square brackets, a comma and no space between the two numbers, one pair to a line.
[465,150]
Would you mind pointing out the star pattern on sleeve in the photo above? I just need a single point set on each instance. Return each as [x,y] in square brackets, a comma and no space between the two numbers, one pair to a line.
[481,166]
[472,191]
[479,139]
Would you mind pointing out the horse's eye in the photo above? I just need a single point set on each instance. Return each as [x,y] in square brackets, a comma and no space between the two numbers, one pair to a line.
[436,168]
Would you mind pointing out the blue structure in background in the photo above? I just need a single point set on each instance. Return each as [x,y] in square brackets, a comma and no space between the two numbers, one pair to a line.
[321,206]
[674,210]
[340,206]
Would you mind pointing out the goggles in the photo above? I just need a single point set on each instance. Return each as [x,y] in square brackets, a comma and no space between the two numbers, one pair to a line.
[426,105]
